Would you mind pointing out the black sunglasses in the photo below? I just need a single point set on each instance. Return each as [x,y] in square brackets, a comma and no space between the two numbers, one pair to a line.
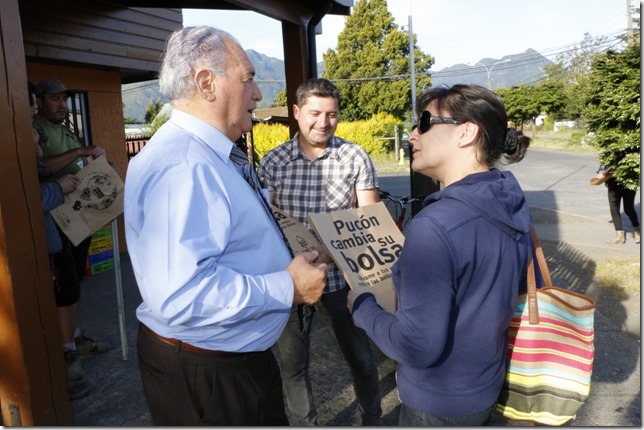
[426,120]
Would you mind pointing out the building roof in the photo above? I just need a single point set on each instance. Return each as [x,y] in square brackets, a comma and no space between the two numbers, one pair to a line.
[274,114]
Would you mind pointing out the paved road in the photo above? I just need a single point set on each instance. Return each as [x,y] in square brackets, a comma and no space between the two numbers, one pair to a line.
[556,187]
[573,222]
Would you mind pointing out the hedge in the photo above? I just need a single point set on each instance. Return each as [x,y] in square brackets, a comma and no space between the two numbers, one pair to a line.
[364,133]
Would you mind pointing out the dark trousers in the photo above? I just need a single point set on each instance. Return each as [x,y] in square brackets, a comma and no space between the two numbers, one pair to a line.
[188,388]
[616,195]
[68,270]
[294,347]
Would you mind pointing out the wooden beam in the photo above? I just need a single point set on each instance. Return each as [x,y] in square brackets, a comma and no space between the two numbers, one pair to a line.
[33,388]
[296,67]
[293,12]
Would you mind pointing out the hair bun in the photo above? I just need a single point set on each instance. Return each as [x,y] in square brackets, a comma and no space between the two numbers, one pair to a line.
[511,141]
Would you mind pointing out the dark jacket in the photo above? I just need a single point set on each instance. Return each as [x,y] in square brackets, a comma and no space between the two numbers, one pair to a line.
[51,196]
[457,279]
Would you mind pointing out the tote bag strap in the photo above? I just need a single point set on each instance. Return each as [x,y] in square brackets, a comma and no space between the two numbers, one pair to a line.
[541,258]
[533,309]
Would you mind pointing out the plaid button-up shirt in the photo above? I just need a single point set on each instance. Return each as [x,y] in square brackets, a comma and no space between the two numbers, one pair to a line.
[326,184]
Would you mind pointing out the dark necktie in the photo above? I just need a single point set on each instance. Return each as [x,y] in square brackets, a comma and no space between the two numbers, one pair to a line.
[238,157]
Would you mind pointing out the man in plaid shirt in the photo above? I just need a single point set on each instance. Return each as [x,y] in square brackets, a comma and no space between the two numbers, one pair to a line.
[311,173]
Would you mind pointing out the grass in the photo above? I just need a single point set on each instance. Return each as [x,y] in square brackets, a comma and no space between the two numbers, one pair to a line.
[565,140]
[622,275]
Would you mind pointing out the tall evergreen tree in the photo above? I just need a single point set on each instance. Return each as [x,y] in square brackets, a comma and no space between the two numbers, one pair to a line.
[154,107]
[371,66]
[280,98]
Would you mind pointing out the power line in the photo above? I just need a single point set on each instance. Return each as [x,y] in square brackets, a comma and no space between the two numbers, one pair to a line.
[551,54]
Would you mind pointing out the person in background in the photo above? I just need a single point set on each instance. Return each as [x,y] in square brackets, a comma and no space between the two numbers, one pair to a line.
[62,155]
[314,172]
[463,263]
[52,195]
[215,274]
[617,193]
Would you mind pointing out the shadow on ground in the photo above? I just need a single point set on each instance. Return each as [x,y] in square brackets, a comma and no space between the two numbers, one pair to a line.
[117,396]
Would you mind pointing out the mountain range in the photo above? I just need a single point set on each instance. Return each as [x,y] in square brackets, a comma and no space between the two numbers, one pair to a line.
[524,68]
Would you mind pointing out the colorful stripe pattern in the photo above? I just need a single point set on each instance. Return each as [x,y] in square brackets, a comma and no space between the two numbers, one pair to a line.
[549,363]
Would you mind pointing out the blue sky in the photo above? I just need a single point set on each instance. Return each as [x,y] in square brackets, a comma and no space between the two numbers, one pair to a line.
[453,31]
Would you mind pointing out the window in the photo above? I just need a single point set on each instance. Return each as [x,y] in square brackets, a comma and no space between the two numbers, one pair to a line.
[78,117]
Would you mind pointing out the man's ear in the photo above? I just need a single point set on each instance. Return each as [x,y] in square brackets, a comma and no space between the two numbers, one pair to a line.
[296,111]
[206,84]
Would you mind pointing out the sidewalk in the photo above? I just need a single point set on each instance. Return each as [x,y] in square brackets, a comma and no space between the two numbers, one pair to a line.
[573,254]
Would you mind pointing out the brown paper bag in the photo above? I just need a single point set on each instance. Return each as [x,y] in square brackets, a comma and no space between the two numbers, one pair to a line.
[364,243]
[97,200]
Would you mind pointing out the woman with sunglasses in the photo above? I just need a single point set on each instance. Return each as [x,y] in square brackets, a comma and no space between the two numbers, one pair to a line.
[463,263]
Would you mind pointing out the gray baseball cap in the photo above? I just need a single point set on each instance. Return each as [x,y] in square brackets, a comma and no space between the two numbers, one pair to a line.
[51,86]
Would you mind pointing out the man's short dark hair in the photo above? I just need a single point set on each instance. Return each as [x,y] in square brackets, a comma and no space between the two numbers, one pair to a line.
[317,87]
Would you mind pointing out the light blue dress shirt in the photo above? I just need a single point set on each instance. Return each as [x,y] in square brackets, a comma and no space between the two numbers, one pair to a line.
[209,262]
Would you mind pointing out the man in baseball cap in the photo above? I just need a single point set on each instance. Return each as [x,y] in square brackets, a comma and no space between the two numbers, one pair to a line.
[63,154]
[51,86]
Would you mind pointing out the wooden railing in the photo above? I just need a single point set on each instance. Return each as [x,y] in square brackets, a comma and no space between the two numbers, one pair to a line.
[134,143]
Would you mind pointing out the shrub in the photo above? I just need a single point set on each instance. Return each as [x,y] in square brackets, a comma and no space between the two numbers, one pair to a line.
[363,133]
[268,136]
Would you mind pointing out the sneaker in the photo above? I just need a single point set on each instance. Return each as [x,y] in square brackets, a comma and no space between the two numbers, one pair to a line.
[88,346]
[77,390]
[73,368]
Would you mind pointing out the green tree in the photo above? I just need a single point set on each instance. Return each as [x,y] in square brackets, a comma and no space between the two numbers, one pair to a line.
[521,103]
[154,107]
[280,98]
[612,111]
[551,98]
[570,75]
[371,66]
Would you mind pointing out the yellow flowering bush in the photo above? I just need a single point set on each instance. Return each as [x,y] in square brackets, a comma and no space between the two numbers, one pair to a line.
[364,133]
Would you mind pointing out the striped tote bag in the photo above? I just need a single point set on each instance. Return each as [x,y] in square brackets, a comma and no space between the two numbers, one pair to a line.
[550,352]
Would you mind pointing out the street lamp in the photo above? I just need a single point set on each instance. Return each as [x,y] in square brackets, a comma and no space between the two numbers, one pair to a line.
[489,70]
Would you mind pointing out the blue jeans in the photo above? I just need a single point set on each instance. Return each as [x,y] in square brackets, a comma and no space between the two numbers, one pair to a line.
[355,346]
[414,418]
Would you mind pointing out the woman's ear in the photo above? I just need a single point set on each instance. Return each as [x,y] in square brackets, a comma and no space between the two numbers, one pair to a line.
[206,84]
[469,131]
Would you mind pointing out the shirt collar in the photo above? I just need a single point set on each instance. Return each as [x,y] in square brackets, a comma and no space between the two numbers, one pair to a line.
[331,150]
[205,132]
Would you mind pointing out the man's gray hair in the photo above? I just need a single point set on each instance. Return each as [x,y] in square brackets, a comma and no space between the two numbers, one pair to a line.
[188,49]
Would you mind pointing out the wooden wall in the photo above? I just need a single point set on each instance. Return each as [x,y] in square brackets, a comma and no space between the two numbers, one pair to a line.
[98,33]
[32,370]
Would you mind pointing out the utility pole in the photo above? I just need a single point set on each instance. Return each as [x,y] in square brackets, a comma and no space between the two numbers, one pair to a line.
[412,71]
[629,21]
[489,71]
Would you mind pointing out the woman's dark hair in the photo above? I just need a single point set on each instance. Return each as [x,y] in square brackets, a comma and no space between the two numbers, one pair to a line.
[473,103]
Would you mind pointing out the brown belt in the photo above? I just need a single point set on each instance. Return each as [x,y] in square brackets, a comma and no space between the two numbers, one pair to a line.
[186,346]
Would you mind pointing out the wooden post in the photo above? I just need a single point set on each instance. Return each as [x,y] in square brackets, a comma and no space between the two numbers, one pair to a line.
[33,388]
[396,140]
[294,39]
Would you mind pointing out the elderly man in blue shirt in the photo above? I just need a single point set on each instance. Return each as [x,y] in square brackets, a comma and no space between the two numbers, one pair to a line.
[216,277]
